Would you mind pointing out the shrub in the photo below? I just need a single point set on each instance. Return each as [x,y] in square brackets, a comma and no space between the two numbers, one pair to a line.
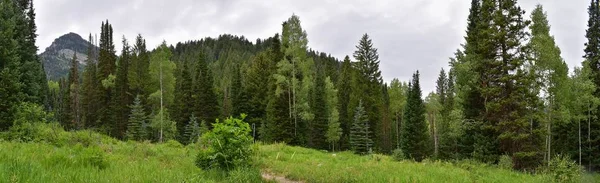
[94,157]
[398,155]
[505,162]
[562,169]
[25,125]
[229,145]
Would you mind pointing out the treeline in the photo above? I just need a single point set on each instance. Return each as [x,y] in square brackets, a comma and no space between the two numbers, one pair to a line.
[22,77]
[508,92]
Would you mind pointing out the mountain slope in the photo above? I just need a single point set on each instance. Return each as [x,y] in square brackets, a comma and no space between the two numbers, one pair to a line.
[57,57]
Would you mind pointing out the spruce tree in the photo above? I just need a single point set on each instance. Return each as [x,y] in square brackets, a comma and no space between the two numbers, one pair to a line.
[258,84]
[105,75]
[592,55]
[122,93]
[360,134]
[191,131]
[89,88]
[414,139]
[204,95]
[369,84]
[241,97]
[33,77]
[137,118]
[9,65]
[74,96]
[318,128]
[344,91]
[184,103]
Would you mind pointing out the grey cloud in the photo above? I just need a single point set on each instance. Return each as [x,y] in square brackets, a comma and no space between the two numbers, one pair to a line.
[409,34]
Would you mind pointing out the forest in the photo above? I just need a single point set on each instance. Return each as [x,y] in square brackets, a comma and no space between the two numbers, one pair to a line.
[506,96]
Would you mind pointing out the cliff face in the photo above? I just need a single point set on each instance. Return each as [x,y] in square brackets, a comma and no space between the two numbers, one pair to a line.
[57,57]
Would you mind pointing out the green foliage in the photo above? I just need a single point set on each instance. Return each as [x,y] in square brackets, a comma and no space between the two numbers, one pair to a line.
[162,79]
[360,135]
[229,146]
[505,162]
[162,127]
[25,126]
[191,131]
[334,130]
[136,128]
[562,169]
[398,155]
[344,110]
[309,165]
[10,87]
[367,85]
[203,93]
[414,138]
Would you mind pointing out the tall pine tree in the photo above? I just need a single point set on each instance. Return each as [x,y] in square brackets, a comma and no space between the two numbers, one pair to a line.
[414,139]
[368,85]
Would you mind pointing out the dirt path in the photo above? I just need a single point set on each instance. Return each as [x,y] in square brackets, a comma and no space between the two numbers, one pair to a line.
[279,179]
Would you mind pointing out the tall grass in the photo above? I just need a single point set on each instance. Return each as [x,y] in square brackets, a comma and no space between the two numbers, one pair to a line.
[85,156]
[316,166]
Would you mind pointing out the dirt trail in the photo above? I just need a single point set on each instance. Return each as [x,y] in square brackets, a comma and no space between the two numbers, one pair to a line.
[279,179]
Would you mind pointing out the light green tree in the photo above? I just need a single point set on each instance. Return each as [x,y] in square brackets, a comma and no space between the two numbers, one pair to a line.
[162,83]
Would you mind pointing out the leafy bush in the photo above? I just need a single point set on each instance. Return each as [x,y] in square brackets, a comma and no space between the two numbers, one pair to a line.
[94,157]
[398,155]
[25,125]
[229,146]
[505,162]
[562,169]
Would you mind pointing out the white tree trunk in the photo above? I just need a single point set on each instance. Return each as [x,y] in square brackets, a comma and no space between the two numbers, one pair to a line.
[161,103]
[579,120]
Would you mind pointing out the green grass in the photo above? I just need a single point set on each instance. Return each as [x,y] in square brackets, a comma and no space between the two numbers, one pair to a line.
[316,166]
[119,162]
[85,156]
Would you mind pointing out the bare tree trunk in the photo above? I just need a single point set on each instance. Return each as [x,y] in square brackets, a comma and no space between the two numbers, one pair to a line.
[579,120]
[435,138]
[161,104]
[589,139]
[549,138]
[294,96]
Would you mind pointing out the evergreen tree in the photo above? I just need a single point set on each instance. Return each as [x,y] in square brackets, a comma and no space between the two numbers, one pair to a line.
[74,96]
[184,103]
[360,134]
[123,95]
[241,96]
[344,89]
[414,140]
[137,118]
[368,81]
[138,70]
[9,65]
[203,93]
[318,128]
[191,131]
[90,88]
[258,83]
[592,55]
[106,75]
[33,77]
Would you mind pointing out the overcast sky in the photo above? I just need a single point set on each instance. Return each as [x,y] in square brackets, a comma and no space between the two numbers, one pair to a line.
[410,34]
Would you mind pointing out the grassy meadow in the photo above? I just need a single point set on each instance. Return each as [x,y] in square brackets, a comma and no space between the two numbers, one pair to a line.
[85,156]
